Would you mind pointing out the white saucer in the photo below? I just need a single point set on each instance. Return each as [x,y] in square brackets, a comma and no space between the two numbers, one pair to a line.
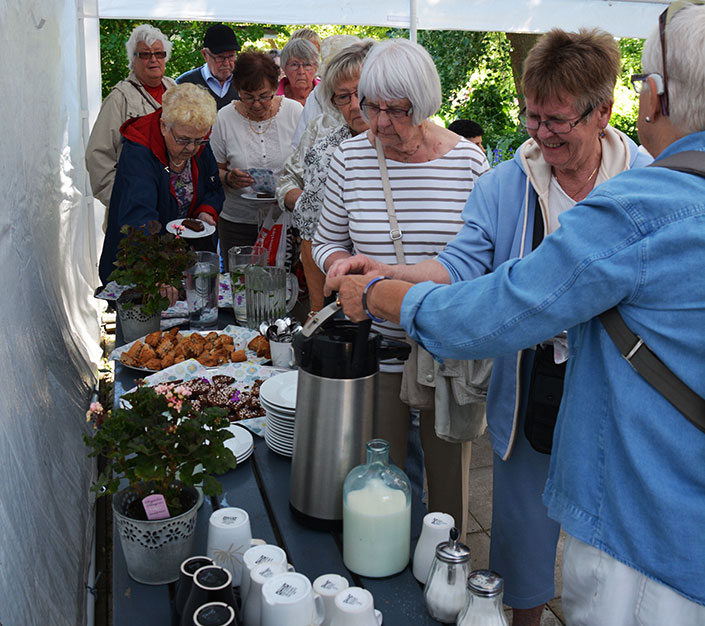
[241,443]
[277,412]
[187,233]
[280,390]
[277,446]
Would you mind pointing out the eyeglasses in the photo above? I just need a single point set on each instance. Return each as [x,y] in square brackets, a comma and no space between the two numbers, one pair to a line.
[557,127]
[372,110]
[663,21]
[220,59]
[251,99]
[159,54]
[638,81]
[295,66]
[341,99]
[185,141]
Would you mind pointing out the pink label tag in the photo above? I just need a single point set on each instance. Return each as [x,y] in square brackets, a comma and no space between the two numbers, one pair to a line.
[155,507]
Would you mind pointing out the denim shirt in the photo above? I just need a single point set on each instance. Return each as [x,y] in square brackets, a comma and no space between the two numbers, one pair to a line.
[628,470]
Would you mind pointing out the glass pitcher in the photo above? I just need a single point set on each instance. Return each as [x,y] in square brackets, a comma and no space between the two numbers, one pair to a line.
[484,603]
[376,515]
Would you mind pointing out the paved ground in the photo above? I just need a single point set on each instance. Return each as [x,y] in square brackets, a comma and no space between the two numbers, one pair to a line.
[478,537]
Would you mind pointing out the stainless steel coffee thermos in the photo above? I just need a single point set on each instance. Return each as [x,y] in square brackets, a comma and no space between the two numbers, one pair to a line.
[336,402]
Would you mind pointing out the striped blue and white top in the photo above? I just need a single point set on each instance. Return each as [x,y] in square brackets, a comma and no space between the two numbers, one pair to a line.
[428,201]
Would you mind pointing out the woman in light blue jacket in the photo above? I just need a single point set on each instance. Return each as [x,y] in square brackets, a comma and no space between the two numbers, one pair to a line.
[568,84]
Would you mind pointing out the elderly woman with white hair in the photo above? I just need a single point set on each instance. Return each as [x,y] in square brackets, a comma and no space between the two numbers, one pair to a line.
[166,169]
[431,171]
[140,93]
[299,60]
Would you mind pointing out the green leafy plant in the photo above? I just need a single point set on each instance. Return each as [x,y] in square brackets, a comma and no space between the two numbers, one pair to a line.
[148,261]
[159,436]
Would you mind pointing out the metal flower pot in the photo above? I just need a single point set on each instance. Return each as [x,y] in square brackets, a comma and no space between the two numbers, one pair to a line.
[154,550]
[134,323]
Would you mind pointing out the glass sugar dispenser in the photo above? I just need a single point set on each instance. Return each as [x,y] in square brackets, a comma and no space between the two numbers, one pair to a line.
[446,591]
[484,603]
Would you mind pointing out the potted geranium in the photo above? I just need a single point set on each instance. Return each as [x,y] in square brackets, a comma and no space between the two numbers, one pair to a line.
[162,446]
[148,262]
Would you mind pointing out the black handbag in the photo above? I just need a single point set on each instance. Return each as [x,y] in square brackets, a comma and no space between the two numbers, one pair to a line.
[546,382]
[544,399]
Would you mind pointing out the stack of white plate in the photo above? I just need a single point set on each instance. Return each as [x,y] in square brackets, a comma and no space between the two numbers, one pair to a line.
[277,395]
[242,444]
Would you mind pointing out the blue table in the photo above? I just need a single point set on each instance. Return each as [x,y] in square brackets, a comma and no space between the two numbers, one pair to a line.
[261,486]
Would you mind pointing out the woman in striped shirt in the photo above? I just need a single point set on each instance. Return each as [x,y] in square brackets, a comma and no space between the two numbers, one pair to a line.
[431,173]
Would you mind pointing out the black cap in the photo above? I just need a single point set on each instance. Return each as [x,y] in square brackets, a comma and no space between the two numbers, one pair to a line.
[220,38]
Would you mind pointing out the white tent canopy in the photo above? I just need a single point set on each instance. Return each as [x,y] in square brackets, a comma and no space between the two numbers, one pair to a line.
[623,18]
[50,238]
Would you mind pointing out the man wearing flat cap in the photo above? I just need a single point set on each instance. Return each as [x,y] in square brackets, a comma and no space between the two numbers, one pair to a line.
[220,48]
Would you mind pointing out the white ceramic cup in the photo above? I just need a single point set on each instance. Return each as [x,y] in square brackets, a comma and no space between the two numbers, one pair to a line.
[288,600]
[435,529]
[252,604]
[355,607]
[282,353]
[265,553]
[328,586]
[229,536]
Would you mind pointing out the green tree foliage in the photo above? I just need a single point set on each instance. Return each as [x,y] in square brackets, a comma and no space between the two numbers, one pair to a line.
[474,67]
[187,38]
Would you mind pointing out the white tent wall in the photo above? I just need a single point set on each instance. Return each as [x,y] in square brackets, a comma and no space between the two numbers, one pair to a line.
[49,345]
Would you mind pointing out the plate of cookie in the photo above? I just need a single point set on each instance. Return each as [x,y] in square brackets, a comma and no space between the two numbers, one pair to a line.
[234,387]
[162,349]
[192,228]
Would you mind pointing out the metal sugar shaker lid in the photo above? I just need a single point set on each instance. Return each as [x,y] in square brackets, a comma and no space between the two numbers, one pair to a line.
[453,551]
[485,583]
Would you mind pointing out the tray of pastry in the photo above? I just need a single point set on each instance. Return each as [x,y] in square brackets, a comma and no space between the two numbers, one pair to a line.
[163,349]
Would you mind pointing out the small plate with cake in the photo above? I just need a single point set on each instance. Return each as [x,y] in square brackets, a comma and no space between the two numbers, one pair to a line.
[193,228]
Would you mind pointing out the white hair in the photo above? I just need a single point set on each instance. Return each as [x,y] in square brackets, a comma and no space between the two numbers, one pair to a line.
[397,69]
[301,49]
[147,34]
[685,65]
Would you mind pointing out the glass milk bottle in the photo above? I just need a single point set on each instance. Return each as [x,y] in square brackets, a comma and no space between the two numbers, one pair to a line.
[484,603]
[376,515]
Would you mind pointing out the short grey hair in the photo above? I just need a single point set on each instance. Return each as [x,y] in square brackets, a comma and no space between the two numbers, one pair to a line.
[148,34]
[343,66]
[398,69]
[301,49]
[685,64]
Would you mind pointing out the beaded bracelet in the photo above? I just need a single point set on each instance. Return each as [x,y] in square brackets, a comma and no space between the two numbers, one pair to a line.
[376,279]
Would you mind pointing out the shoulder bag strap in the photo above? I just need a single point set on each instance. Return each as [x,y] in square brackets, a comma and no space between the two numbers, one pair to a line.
[688,161]
[653,370]
[142,93]
[395,232]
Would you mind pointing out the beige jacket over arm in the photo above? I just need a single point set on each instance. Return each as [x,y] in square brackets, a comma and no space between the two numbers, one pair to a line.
[126,100]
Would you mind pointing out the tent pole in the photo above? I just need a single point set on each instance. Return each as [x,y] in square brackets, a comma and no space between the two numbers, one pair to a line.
[412,20]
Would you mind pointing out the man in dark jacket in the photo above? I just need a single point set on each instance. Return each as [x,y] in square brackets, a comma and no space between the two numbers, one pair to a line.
[220,48]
